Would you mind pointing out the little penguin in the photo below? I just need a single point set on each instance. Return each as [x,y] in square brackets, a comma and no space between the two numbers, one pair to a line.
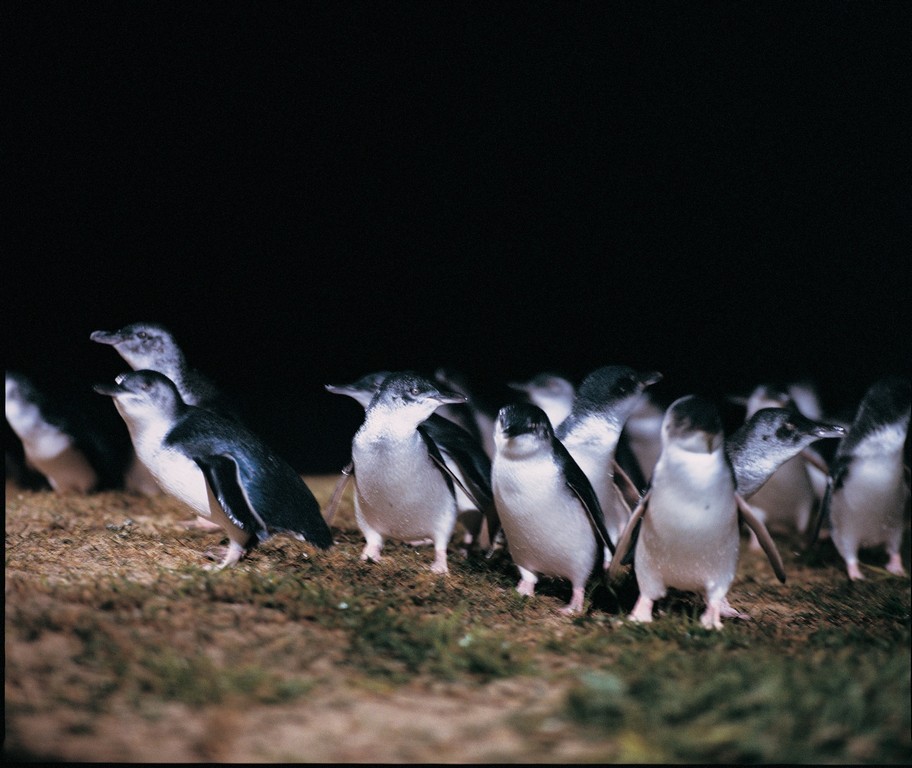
[403,489]
[688,536]
[463,457]
[49,439]
[151,346]
[551,392]
[869,493]
[769,456]
[216,466]
[549,512]
[605,399]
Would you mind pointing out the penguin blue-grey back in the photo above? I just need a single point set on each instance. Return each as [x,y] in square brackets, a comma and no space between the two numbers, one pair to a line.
[215,465]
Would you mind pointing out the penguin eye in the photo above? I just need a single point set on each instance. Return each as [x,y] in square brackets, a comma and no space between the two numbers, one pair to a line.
[142,335]
[415,391]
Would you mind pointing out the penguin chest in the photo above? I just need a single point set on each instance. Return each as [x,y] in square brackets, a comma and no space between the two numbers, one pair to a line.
[175,473]
[400,491]
[689,536]
[546,527]
[871,500]
[597,465]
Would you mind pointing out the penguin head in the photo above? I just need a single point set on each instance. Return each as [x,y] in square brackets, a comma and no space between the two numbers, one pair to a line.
[362,390]
[613,391]
[788,429]
[885,403]
[143,395]
[143,345]
[408,397]
[545,385]
[693,424]
[766,396]
[23,400]
[521,427]
[18,388]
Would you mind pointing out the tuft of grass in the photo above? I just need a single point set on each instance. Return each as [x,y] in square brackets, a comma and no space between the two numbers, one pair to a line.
[741,707]
[386,642]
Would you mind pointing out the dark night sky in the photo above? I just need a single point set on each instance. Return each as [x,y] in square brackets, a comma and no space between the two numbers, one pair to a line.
[305,192]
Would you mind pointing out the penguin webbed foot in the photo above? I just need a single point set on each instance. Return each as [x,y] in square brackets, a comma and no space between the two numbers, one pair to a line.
[225,557]
[199,524]
[440,562]
[895,565]
[371,553]
[576,602]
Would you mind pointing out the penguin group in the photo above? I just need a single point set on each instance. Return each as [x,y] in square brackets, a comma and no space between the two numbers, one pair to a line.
[590,483]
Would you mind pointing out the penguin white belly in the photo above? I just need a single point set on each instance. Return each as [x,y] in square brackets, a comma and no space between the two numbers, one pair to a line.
[597,468]
[545,525]
[689,537]
[400,492]
[868,509]
[176,474]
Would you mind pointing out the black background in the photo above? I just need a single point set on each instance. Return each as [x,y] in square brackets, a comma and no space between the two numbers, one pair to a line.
[305,192]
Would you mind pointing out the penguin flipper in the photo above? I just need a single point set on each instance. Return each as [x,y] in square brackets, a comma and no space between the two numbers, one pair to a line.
[330,512]
[443,436]
[628,537]
[625,485]
[467,452]
[221,473]
[766,541]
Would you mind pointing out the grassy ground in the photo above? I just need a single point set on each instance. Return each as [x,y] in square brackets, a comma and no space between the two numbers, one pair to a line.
[119,646]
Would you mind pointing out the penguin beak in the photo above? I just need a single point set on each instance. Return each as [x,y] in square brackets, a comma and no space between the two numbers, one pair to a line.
[828,430]
[648,379]
[111,390]
[445,398]
[106,337]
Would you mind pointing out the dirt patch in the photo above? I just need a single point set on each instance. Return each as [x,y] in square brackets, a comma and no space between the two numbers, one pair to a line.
[120,647]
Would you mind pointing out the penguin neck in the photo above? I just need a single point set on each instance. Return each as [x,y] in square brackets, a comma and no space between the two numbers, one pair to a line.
[699,470]
[887,440]
[147,428]
[557,408]
[593,434]
[382,423]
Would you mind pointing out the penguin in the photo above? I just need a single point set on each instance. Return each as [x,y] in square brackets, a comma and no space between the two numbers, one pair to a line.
[688,520]
[590,433]
[216,466]
[471,416]
[462,455]
[63,440]
[643,433]
[548,509]
[403,489]
[151,346]
[869,493]
[549,391]
[769,455]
